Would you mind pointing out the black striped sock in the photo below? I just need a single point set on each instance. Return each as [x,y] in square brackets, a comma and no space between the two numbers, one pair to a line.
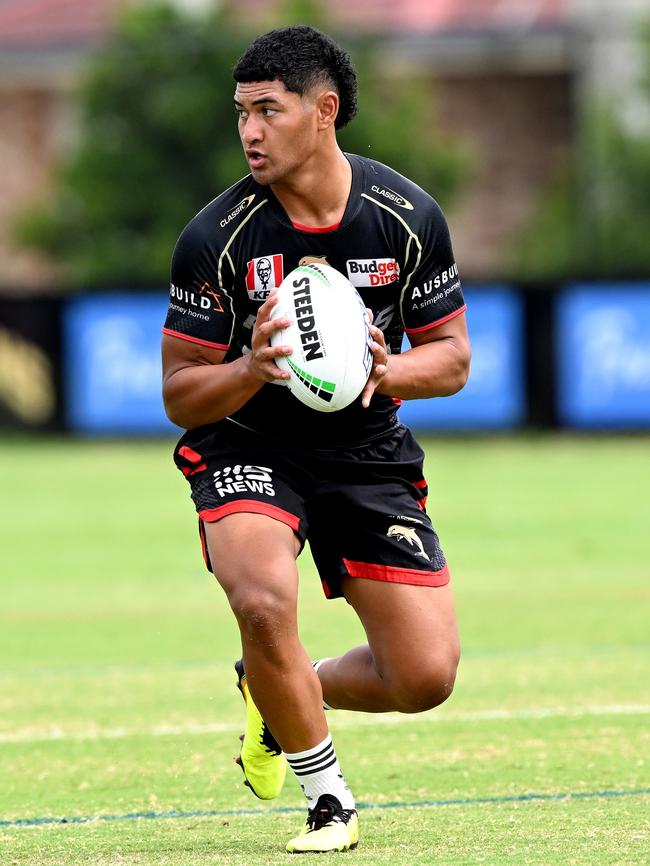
[318,772]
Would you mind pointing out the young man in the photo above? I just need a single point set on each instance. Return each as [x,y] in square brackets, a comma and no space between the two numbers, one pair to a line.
[267,473]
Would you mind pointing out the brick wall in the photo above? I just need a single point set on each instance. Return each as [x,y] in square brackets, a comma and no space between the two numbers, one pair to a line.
[27,130]
[518,129]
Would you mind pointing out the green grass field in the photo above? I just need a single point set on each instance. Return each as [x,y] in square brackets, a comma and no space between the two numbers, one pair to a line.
[119,716]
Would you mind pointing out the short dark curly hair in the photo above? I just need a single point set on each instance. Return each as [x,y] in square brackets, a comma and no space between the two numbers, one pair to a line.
[301,57]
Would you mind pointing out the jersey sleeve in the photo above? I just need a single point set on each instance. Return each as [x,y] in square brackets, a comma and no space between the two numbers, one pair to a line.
[200,303]
[432,292]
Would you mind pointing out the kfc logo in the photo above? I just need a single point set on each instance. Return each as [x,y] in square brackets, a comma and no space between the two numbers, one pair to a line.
[264,274]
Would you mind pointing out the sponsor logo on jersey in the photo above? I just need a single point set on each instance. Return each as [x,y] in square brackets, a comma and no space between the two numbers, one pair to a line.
[392,196]
[442,281]
[263,274]
[188,303]
[192,299]
[372,272]
[243,479]
[206,289]
[410,536]
[313,260]
[242,206]
[405,517]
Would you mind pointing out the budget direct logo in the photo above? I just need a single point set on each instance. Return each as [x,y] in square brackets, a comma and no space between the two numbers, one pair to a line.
[372,272]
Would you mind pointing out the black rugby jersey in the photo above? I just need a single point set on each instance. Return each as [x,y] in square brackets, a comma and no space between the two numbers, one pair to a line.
[392,244]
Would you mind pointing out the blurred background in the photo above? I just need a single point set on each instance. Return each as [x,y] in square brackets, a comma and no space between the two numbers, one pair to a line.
[528,120]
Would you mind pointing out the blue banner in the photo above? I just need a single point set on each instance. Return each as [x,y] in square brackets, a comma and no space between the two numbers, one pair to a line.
[112,368]
[494,396]
[603,355]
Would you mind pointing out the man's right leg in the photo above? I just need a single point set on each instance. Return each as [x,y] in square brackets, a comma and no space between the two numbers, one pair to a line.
[254,560]
[253,557]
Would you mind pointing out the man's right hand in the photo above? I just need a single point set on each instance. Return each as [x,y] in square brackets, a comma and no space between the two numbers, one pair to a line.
[261,358]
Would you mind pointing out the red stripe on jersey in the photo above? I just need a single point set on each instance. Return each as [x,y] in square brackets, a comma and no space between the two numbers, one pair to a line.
[392,574]
[314,230]
[189,339]
[250,506]
[439,322]
[419,484]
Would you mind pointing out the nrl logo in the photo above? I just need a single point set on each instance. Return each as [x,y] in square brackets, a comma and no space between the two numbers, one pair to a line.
[408,534]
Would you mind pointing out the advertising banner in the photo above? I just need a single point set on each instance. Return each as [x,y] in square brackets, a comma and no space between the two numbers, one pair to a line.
[603,356]
[494,396]
[112,367]
[30,395]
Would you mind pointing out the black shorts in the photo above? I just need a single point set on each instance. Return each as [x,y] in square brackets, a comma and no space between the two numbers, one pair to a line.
[361,509]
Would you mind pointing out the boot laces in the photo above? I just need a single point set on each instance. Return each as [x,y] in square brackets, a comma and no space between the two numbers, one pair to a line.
[327,810]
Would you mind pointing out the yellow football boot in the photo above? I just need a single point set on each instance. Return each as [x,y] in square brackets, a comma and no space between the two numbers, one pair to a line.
[261,757]
[329,828]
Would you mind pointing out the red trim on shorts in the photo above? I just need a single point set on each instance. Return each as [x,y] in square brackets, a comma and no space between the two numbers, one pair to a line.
[439,322]
[204,546]
[192,457]
[313,229]
[250,506]
[422,485]
[190,454]
[196,340]
[392,574]
[187,472]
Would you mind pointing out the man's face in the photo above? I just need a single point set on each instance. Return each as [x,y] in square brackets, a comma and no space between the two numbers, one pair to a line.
[278,129]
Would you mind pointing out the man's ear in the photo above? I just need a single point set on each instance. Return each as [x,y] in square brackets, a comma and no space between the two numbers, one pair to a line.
[327,107]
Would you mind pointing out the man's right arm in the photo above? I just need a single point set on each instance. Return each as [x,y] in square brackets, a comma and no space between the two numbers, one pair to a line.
[199,388]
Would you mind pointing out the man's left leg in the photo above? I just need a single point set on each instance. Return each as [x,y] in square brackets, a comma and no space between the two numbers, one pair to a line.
[409,663]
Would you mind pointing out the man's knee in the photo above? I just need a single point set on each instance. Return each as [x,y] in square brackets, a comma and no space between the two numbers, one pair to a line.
[262,610]
[427,684]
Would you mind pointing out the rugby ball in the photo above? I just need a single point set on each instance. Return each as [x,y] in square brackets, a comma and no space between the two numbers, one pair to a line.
[331,358]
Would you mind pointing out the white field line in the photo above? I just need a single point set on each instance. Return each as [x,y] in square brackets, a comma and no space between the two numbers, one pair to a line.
[348,720]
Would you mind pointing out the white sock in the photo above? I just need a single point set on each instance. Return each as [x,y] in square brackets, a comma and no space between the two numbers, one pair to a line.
[315,666]
[318,772]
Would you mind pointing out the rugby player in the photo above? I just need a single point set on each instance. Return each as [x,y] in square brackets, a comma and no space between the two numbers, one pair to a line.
[268,473]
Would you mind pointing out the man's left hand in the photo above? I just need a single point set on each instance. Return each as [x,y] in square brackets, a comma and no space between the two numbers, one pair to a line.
[379,363]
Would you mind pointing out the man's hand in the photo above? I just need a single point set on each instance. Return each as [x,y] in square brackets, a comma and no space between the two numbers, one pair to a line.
[261,358]
[379,363]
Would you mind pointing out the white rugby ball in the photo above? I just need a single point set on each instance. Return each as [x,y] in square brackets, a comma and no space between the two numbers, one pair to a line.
[331,358]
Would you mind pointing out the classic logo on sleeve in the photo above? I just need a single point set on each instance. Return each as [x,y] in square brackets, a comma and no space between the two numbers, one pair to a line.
[372,272]
[392,196]
[242,206]
[264,274]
